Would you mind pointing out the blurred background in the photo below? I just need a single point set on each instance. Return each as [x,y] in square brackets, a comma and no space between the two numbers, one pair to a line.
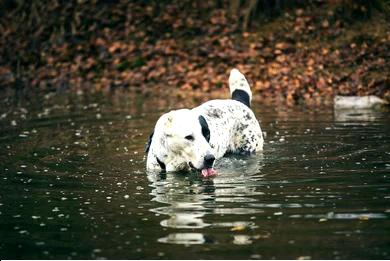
[301,51]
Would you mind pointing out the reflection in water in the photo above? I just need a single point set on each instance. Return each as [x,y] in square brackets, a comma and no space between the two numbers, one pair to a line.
[189,198]
[242,240]
[184,238]
[356,116]
[332,215]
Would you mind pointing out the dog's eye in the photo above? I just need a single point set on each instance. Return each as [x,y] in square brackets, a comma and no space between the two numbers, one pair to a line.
[189,137]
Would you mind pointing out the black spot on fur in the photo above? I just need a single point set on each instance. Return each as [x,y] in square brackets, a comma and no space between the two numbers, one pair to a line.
[242,127]
[205,128]
[241,96]
[215,113]
[247,116]
[147,145]
[162,165]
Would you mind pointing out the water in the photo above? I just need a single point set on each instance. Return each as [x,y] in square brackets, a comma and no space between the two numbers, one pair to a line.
[73,185]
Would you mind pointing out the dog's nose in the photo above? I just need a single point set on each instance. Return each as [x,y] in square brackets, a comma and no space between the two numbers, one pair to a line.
[209,160]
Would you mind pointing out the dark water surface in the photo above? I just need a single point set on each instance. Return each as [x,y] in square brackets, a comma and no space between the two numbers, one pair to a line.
[73,185]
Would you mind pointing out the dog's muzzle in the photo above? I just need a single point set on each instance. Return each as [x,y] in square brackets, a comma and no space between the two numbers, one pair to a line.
[207,168]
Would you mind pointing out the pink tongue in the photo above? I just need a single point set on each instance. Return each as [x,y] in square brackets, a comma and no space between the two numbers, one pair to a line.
[208,172]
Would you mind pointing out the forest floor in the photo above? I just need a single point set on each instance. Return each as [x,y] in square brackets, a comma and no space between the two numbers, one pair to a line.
[305,55]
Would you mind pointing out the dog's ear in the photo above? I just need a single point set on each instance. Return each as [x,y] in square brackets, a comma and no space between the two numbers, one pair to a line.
[147,145]
[205,128]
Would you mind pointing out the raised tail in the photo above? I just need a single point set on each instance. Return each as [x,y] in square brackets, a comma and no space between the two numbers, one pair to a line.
[239,87]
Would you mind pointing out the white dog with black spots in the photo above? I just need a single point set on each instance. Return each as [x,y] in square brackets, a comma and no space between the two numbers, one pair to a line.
[188,139]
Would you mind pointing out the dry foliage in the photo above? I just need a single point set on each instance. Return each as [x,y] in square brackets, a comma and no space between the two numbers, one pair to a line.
[304,55]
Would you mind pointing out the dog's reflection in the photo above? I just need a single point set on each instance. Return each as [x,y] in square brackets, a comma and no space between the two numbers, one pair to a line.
[185,196]
[188,197]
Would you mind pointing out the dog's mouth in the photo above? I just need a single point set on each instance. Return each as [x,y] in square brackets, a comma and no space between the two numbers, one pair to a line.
[205,172]
[208,172]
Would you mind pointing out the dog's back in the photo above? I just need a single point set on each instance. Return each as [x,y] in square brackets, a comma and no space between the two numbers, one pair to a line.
[234,127]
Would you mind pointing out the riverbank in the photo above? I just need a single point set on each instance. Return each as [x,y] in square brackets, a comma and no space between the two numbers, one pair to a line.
[304,55]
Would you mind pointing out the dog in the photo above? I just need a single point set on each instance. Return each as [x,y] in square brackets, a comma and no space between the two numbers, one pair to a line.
[192,139]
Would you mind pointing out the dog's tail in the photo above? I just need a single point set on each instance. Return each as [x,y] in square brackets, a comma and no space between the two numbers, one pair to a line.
[239,87]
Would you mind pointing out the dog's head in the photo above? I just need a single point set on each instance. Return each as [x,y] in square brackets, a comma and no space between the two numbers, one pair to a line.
[181,142]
